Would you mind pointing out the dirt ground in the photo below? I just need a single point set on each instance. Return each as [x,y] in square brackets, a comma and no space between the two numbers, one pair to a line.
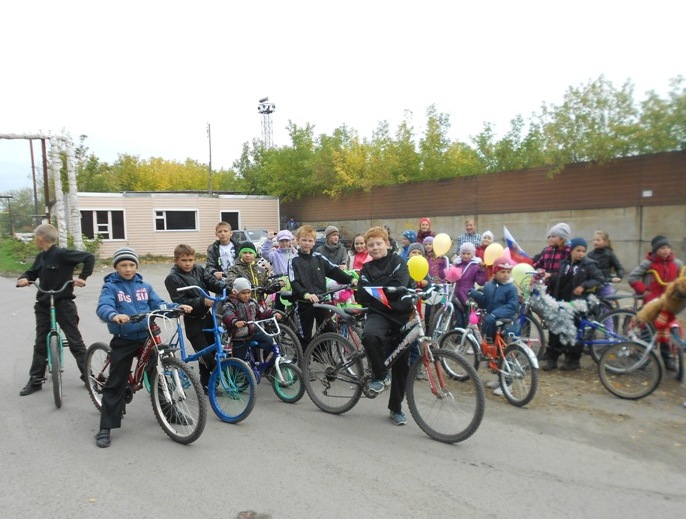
[576,404]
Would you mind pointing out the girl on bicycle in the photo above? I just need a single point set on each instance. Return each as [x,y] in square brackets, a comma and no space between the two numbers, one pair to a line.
[607,261]
[473,272]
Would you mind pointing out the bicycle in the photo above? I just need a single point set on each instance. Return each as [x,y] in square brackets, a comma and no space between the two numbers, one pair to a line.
[231,388]
[446,407]
[514,362]
[443,316]
[288,338]
[54,344]
[284,375]
[175,390]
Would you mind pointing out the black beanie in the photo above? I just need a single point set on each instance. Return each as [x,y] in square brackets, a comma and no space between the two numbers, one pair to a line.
[658,241]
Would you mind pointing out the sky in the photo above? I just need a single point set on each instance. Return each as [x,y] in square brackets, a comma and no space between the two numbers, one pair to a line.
[146,77]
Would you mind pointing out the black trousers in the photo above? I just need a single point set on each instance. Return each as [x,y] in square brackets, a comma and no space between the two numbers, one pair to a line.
[114,392]
[378,343]
[200,340]
[308,314]
[68,319]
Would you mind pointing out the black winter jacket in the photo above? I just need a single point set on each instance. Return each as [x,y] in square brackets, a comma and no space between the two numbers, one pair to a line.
[569,276]
[389,271]
[308,272]
[214,260]
[177,278]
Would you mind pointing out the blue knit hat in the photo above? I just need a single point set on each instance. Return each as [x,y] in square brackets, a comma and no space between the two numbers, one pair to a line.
[576,242]
[410,235]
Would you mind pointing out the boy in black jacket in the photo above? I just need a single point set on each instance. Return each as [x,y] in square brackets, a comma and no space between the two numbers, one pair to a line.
[185,273]
[383,320]
[54,266]
[576,277]
[307,272]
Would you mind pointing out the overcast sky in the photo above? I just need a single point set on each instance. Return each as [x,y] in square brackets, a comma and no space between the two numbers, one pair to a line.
[145,77]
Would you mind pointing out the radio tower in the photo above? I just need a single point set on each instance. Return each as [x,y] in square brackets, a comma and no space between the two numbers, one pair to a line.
[265,108]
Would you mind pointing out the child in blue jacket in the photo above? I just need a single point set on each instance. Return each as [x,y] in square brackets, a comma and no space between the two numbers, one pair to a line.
[124,294]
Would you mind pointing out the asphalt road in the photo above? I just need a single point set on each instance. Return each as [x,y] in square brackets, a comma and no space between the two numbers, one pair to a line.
[294,461]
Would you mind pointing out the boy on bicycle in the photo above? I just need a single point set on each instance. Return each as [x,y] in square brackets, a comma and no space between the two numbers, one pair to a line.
[123,294]
[307,273]
[54,266]
[383,321]
[186,272]
[237,312]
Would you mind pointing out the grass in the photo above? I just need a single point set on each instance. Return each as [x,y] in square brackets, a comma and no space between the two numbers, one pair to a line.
[15,256]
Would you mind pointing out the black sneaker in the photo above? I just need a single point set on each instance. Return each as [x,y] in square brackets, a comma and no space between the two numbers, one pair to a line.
[30,388]
[102,439]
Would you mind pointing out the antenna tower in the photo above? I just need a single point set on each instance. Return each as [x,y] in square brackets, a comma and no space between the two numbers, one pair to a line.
[265,109]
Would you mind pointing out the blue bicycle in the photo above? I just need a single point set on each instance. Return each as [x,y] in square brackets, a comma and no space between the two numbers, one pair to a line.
[231,388]
[285,376]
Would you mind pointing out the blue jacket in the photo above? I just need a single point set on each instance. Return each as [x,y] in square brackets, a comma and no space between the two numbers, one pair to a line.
[277,256]
[130,297]
[501,301]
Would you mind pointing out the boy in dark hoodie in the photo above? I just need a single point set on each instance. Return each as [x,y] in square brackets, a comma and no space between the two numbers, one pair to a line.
[186,272]
[576,277]
[333,249]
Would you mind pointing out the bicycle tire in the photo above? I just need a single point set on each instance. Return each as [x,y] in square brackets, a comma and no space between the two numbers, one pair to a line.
[56,369]
[442,321]
[182,416]
[677,353]
[452,410]
[622,322]
[332,371]
[465,344]
[630,372]
[231,390]
[518,377]
[98,371]
[532,334]
[292,389]
[289,344]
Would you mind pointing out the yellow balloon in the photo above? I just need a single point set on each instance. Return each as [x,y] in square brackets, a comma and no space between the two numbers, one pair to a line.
[492,253]
[519,273]
[418,267]
[442,244]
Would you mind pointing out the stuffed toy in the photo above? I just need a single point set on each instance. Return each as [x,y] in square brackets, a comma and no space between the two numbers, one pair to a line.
[672,301]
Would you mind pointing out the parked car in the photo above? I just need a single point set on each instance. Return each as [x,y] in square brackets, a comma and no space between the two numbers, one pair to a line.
[256,236]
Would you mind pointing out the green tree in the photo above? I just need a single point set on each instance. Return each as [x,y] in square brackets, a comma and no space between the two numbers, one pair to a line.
[433,146]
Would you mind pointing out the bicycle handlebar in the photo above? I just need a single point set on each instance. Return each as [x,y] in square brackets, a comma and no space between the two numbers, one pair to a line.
[273,320]
[51,292]
[203,293]
[160,312]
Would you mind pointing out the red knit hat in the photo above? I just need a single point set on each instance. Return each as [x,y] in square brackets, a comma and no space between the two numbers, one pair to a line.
[502,263]
[424,220]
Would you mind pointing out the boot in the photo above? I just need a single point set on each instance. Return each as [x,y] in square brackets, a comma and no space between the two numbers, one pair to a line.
[551,361]
[571,364]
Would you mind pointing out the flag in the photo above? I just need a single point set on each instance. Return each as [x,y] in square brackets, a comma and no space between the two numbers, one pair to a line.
[378,294]
[516,253]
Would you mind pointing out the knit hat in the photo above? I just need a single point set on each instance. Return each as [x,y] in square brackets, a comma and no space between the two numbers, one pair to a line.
[502,263]
[428,239]
[416,246]
[468,247]
[330,230]
[488,233]
[240,284]
[659,241]
[560,230]
[424,220]
[125,253]
[246,246]
[576,242]
[410,236]
[284,235]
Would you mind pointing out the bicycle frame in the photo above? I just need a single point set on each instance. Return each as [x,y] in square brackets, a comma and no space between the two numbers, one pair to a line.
[274,359]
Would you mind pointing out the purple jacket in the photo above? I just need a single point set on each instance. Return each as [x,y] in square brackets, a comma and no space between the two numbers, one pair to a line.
[471,273]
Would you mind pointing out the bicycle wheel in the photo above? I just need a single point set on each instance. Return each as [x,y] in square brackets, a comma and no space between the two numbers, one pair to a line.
[178,401]
[442,321]
[461,341]
[97,370]
[446,408]
[677,353]
[518,376]
[56,371]
[231,390]
[291,388]
[289,344]
[630,370]
[532,335]
[621,325]
[333,370]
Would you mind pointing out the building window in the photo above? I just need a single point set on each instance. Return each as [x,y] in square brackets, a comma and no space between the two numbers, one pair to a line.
[108,225]
[176,221]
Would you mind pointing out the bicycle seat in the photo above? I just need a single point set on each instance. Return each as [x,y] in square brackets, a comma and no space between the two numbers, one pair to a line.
[503,322]
[354,311]
[287,295]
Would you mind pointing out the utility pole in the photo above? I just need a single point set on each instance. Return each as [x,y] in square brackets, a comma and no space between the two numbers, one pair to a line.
[34,220]
[209,174]
[9,212]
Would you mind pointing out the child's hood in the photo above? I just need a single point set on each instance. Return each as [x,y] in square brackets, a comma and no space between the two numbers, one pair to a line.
[114,277]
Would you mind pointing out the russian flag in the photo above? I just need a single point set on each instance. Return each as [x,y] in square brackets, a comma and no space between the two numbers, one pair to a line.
[378,294]
[516,252]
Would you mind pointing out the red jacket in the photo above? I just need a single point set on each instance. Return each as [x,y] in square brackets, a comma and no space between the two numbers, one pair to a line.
[649,284]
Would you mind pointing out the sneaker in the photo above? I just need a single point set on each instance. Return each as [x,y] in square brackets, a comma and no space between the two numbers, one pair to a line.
[30,388]
[420,375]
[493,384]
[387,380]
[670,365]
[498,391]
[398,418]
[102,439]
[377,386]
